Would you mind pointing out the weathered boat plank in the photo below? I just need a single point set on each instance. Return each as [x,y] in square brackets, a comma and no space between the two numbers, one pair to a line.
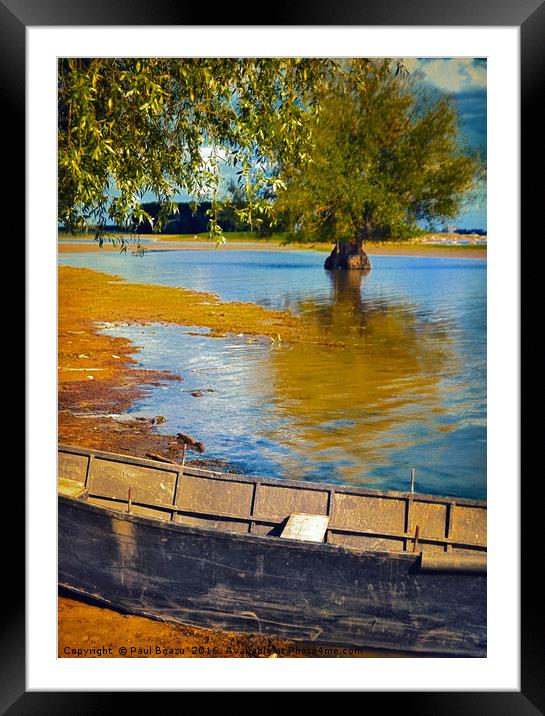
[358,518]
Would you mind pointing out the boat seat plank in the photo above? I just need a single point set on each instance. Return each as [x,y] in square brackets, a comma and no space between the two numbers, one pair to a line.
[305,527]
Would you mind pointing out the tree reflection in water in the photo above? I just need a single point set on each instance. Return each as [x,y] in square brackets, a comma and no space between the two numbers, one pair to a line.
[381,388]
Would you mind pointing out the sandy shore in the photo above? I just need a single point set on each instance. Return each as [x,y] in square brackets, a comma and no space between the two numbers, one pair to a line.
[98,379]
[382,249]
[92,631]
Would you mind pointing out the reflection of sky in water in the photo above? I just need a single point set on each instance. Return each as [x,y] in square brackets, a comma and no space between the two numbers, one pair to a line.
[408,387]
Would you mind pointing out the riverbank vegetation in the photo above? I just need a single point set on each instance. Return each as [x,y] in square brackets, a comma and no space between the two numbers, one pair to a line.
[342,151]
[162,126]
[385,160]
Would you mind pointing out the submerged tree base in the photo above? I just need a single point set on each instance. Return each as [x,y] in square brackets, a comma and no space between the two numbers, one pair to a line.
[348,256]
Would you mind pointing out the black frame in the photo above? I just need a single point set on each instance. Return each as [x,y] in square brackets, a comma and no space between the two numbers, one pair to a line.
[529,15]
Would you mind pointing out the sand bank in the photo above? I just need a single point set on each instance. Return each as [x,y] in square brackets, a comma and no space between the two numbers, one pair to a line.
[466,251]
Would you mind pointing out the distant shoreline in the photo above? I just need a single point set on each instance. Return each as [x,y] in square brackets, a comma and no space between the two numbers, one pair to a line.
[199,243]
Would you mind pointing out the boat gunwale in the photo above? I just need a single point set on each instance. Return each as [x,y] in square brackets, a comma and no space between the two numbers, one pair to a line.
[270,481]
[246,537]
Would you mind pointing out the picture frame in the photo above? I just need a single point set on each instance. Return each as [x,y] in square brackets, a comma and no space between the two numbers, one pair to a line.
[16,16]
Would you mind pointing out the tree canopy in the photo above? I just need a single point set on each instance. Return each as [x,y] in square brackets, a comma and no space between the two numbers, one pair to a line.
[137,129]
[386,158]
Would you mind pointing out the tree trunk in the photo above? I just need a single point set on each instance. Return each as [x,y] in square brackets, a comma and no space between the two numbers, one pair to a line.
[348,255]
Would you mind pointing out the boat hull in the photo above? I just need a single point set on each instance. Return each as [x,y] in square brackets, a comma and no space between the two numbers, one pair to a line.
[229,581]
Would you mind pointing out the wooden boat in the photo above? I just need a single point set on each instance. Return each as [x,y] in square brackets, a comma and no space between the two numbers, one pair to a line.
[302,561]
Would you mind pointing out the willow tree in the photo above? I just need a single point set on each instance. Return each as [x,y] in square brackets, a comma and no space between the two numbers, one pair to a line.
[386,158]
[135,129]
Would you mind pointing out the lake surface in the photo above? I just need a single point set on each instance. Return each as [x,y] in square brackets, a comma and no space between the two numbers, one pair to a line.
[407,389]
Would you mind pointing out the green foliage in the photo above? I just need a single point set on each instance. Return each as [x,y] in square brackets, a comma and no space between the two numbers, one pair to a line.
[131,127]
[385,159]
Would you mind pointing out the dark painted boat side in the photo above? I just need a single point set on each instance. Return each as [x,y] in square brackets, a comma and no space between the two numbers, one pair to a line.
[248,583]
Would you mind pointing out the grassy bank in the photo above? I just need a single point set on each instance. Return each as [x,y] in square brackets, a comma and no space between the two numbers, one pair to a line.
[97,373]
[103,297]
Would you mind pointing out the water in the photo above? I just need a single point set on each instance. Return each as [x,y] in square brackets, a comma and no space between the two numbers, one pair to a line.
[407,389]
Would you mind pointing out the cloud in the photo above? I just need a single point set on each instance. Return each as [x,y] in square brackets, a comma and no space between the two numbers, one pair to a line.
[456,74]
